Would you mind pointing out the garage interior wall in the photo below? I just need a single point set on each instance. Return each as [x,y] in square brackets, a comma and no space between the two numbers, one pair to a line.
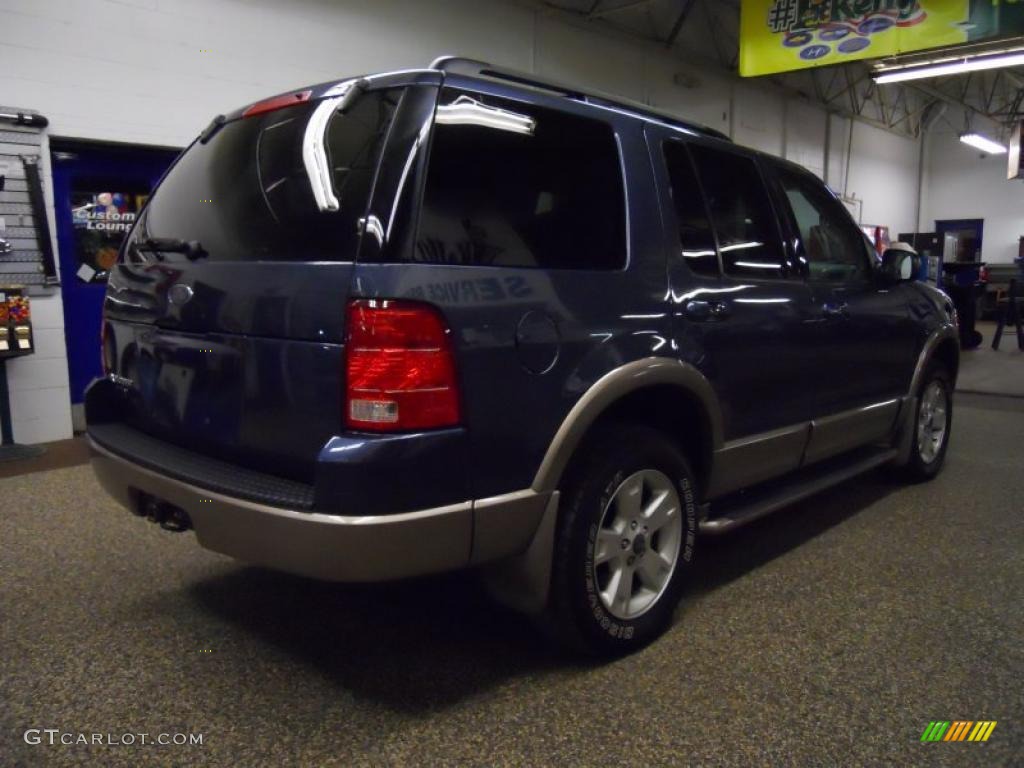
[156,71]
[963,183]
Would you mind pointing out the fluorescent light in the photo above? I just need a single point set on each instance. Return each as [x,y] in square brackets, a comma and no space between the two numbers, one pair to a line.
[949,67]
[983,143]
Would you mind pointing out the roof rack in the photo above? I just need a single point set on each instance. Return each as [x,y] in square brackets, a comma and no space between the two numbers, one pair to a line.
[476,68]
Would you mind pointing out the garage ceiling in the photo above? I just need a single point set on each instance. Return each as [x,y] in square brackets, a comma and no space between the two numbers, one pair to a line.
[707,31]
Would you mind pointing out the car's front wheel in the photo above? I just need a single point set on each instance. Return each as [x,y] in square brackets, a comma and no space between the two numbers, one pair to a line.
[932,425]
[626,536]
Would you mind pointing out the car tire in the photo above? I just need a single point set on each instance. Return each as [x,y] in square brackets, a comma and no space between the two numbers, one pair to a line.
[933,424]
[626,537]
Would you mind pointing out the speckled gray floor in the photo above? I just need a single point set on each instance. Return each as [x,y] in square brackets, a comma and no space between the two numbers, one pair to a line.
[828,634]
[989,371]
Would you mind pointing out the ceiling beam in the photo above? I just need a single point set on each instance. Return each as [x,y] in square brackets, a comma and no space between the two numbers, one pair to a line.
[598,13]
[677,25]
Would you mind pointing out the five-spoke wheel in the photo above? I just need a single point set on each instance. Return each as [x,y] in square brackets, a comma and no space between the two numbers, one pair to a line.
[637,544]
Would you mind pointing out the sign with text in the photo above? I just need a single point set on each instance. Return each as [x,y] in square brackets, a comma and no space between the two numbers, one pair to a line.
[101,221]
[785,35]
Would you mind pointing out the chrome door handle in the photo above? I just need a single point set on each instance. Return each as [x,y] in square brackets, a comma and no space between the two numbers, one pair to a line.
[719,309]
[836,310]
[703,311]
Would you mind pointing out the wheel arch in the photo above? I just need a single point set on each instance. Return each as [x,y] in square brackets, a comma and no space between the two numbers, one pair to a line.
[943,345]
[947,352]
[668,394]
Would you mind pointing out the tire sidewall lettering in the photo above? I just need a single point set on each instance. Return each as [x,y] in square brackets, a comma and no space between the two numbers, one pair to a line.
[613,627]
[608,623]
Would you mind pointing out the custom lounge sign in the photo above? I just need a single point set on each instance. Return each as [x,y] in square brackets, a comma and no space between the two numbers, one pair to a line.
[784,35]
[101,220]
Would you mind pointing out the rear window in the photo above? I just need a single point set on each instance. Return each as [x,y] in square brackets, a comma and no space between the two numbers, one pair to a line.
[516,185]
[247,195]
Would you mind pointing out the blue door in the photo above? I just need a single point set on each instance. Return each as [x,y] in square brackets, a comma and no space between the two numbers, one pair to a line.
[98,190]
[968,234]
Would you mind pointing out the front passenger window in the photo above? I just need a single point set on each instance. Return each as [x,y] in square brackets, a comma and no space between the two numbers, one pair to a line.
[831,244]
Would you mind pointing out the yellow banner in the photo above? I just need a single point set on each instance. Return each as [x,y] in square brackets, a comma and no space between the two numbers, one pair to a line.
[784,35]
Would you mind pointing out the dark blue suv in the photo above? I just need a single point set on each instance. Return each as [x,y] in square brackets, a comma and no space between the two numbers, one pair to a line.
[460,317]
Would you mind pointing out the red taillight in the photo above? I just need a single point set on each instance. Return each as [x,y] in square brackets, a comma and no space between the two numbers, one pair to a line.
[278,102]
[400,371]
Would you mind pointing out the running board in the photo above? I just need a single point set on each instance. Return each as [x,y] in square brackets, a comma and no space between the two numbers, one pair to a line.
[753,504]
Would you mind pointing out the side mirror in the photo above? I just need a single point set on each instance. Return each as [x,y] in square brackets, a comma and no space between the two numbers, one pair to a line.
[899,265]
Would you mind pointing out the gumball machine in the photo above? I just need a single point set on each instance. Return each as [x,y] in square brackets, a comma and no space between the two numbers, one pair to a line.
[15,341]
[15,324]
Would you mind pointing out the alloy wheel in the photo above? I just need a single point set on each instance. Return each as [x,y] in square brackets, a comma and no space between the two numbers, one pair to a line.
[637,544]
[932,422]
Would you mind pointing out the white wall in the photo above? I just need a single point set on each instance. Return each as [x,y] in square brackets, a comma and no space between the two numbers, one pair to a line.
[883,173]
[156,71]
[963,183]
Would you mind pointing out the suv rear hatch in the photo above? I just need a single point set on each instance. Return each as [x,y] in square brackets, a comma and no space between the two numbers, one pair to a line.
[224,318]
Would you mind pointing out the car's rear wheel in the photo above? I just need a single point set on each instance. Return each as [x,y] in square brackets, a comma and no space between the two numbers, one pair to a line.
[626,536]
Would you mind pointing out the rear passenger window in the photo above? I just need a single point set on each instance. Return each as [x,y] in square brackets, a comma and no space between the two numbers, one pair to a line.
[831,243]
[515,185]
[696,239]
[741,213]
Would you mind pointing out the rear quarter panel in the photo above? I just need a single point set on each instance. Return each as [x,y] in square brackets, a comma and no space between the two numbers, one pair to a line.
[530,342]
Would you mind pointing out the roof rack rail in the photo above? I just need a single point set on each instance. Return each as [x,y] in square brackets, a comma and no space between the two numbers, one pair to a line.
[476,68]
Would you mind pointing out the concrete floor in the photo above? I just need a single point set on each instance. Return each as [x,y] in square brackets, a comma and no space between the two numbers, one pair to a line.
[989,371]
[830,633]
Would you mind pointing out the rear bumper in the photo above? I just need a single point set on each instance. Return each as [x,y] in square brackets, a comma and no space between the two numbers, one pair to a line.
[335,547]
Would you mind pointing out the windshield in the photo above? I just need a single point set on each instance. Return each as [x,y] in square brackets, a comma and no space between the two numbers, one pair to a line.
[250,195]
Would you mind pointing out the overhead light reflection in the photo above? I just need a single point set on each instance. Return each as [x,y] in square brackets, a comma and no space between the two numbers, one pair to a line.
[420,141]
[468,111]
[314,153]
[680,298]
[373,227]
[661,340]
[741,246]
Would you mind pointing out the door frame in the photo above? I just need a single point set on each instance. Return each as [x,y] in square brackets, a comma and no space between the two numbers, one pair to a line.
[139,165]
[946,226]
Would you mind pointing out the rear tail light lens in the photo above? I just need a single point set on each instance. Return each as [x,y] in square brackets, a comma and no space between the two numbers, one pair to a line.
[400,370]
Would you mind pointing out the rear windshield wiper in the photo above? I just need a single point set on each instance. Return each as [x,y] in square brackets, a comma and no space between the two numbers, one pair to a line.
[193,249]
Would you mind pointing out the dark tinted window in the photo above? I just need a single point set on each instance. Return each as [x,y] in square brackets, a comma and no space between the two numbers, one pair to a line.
[742,214]
[248,194]
[695,236]
[831,243]
[516,185]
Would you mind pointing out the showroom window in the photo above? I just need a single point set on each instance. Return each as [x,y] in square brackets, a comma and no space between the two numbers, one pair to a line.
[696,239]
[515,185]
[742,214]
[832,245]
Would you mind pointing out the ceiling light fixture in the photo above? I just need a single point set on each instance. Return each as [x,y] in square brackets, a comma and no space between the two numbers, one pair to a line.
[983,143]
[941,67]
